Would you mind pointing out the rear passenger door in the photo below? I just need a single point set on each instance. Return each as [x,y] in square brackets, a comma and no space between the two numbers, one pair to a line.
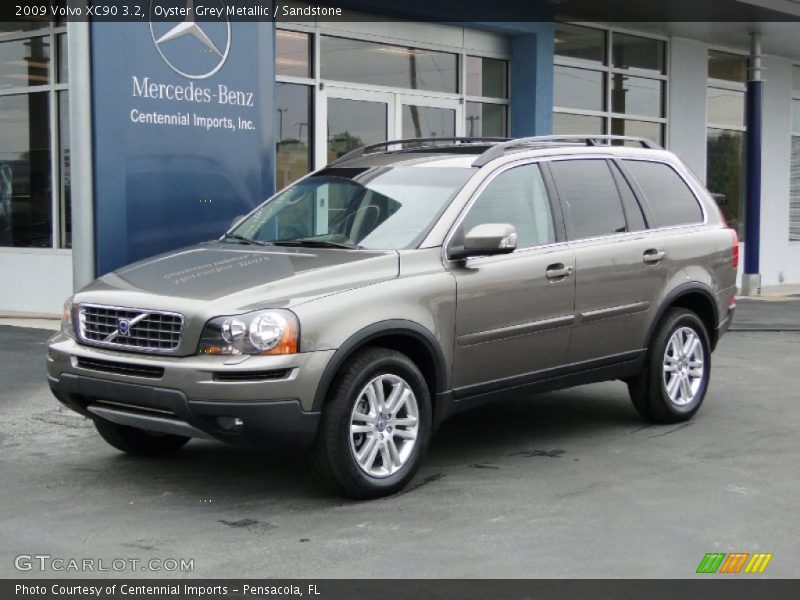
[619,264]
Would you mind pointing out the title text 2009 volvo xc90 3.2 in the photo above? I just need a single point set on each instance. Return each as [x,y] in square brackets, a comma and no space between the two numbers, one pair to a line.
[359,307]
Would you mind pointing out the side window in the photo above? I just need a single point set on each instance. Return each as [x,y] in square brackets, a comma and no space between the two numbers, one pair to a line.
[590,194]
[670,200]
[633,211]
[518,197]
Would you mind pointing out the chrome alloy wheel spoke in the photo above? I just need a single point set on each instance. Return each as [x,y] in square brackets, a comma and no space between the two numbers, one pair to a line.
[683,366]
[384,425]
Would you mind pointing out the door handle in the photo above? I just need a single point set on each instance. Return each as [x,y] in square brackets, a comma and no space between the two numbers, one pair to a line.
[653,256]
[558,271]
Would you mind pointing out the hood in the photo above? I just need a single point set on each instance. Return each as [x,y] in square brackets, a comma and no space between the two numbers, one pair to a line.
[245,277]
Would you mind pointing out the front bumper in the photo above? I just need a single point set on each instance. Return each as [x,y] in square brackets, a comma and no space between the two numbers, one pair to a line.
[224,398]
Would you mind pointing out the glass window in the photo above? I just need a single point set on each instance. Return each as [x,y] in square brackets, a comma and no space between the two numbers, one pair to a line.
[17,26]
[487,120]
[517,197]
[591,197]
[394,66]
[578,88]
[646,129]
[387,208]
[794,191]
[293,53]
[428,121]
[63,56]
[581,43]
[293,120]
[565,124]
[25,181]
[670,200]
[25,62]
[636,95]
[796,80]
[632,51]
[725,107]
[354,123]
[725,174]
[487,77]
[727,67]
[64,171]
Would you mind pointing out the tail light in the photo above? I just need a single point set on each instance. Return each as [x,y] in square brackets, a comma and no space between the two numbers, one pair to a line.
[735,240]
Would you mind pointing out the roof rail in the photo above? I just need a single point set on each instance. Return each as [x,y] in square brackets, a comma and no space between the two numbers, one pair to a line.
[462,140]
[499,150]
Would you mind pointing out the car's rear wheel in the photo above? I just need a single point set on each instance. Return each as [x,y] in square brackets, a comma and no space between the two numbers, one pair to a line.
[674,379]
[375,425]
[138,441]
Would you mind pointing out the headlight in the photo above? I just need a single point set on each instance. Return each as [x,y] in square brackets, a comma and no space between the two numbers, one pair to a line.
[67,328]
[263,332]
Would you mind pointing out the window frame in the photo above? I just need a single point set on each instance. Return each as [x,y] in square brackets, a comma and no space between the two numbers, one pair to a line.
[53,88]
[609,70]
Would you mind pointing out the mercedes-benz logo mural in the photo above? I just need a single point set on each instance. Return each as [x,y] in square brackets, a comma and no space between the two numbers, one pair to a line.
[191,49]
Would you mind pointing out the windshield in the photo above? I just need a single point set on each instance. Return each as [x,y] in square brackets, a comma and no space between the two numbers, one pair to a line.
[387,208]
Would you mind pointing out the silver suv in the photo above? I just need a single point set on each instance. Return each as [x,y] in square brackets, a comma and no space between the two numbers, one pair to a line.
[356,309]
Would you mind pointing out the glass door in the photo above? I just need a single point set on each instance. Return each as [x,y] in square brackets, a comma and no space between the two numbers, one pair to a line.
[349,119]
[421,117]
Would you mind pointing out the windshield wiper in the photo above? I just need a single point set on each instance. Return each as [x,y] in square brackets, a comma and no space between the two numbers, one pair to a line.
[315,244]
[244,240]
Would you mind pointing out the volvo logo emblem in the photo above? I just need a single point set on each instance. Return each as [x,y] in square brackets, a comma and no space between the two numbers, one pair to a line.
[123,326]
[191,49]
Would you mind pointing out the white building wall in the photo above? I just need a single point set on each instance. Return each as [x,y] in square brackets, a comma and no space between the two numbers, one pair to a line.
[35,282]
[780,258]
[686,105]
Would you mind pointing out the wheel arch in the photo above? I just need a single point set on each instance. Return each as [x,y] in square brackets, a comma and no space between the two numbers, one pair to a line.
[694,296]
[408,337]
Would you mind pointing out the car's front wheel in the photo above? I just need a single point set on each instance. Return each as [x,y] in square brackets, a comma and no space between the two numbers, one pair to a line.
[674,379]
[375,426]
[138,441]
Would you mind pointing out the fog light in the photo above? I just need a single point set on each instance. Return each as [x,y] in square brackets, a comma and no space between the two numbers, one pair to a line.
[230,424]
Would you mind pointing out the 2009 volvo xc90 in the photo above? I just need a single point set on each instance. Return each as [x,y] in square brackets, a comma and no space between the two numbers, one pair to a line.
[357,308]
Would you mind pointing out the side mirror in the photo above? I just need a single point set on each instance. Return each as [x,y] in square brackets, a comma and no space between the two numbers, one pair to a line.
[486,240]
[235,221]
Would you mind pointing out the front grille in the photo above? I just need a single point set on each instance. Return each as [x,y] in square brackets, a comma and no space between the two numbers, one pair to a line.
[129,328]
[250,375]
[108,366]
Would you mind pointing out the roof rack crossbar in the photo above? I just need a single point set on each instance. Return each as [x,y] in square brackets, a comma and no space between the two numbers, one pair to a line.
[462,140]
[499,150]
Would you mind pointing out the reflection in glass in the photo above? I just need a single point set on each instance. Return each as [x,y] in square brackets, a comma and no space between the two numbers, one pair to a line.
[725,174]
[427,121]
[632,51]
[725,107]
[354,123]
[796,116]
[582,43]
[293,120]
[796,80]
[726,66]
[578,88]
[65,171]
[381,64]
[566,124]
[25,62]
[651,131]
[292,53]
[636,95]
[63,59]
[794,190]
[487,120]
[487,77]
[25,181]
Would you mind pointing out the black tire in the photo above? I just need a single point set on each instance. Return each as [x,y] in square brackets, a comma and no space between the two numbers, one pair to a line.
[333,459]
[138,441]
[648,390]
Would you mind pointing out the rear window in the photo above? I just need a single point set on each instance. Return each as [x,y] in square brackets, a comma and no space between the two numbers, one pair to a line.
[590,193]
[670,200]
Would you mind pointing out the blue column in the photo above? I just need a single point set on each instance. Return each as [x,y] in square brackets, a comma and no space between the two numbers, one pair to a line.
[532,81]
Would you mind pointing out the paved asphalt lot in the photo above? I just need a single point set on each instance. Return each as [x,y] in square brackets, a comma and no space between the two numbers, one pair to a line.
[566,484]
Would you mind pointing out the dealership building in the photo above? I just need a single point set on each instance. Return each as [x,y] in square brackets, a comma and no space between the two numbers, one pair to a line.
[120,140]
